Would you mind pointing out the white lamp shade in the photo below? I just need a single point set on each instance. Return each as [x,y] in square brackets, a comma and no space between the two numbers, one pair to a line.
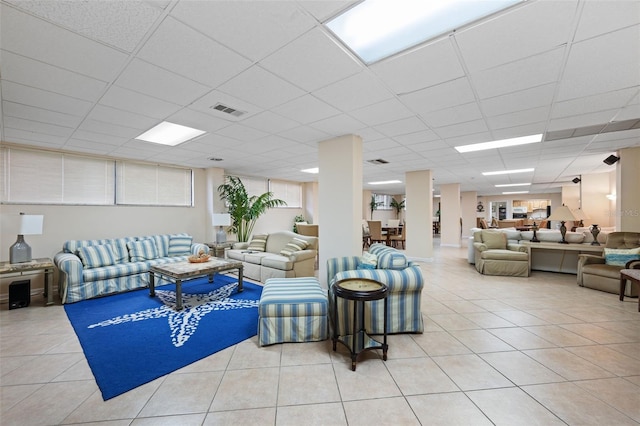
[31,224]
[221,219]
[580,214]
[562,213]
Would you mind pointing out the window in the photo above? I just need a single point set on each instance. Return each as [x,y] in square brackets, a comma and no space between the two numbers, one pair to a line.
[290,192]
[384,201]
[254,186]
[42,177]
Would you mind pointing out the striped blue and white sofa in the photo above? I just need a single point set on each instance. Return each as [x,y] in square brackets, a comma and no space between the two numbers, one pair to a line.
[404,279]
[93,268]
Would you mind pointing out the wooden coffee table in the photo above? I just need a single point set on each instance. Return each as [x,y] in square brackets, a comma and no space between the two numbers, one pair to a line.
[184,270]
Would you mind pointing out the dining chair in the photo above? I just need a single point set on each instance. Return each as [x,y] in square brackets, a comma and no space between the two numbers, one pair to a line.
[375,232]
[399,238]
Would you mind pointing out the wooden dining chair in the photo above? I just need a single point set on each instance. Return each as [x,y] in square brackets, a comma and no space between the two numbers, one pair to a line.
[375,232]
[399,238]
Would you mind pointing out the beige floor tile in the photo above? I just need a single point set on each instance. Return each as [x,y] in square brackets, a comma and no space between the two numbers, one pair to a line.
[520,338]
[183,420]
[253,417]
[41,369]
[619,393]
[559,336]
[610,360]
[629,328]
[404,346]
[310,415]
[464,306]
[370,380]
[576,406]
[440,343]
[170,398]
[385,411]
[493,305]
[216,362]
[435,410]
[596,333]
[488,320]
[512,406]
[520,318]
[11,395]
[633,379]
[306,353]
[553,316]
[629,349]
[567,364]
[247,388]
[470,372]
[521,369]
[248,354]
[293,388]
[419,376]
[453,322]
[480,341]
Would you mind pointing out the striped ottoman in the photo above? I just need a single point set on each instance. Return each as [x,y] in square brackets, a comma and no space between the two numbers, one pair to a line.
[292,310]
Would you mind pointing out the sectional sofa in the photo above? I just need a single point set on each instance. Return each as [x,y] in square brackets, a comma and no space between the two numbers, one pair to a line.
[93,268]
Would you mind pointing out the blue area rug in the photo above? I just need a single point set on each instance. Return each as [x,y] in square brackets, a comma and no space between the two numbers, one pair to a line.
[130,339]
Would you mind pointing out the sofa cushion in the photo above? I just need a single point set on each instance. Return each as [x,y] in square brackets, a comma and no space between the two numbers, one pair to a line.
[256,257]
[97,256]
[296,244]
[120,248]
[179,245]
[142,250]
[619,257]
[283,263]
[497,254]
[162,244]
[258,242]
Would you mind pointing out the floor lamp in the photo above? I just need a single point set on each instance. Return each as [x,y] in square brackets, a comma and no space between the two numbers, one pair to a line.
[563,214]
[30,224]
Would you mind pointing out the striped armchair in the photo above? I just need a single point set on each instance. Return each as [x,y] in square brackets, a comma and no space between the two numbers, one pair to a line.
[405,282]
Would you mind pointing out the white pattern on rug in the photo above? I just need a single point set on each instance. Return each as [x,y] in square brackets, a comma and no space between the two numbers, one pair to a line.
[184,323]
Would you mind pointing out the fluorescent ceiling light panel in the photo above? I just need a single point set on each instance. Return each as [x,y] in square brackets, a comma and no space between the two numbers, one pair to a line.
[314,170]
[171,134]
[504,185]
[385,182]
[523,140]
[376,29]
[506,172]
[515,192]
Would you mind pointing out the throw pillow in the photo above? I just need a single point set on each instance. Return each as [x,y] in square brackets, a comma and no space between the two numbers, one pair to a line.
[142,250]
[296,244]
[258,243]
[97,256]
[620,257]
[494,239]
[180,245]
[369,259]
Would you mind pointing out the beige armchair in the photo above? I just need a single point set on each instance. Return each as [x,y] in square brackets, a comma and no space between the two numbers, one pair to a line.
[494,256]
[594,271]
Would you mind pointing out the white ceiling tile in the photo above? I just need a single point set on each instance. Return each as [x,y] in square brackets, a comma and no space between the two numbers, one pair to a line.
[241,133]
[402,127]
[89,147]
[28,72]
[102,138]
[261,88]
[599,17]
[512,37]
[312,61]
[523,74]
[43,99]
[31,37]
[109,129]
[357,91]
[124,118]
[417,137]
[599,117]
[519,101]
[338,124]
[455,92]
[468,128]
[422,67]
[382,112]
[253,28]
[31,137]
[176,47]
[589,104]
[37,127]
[99,20]
[519,118]
[325,9]
[270,122]
[151,80]
[453,115]
[614,67]
[305,134]
[124,99]
[14,109]
[306,109]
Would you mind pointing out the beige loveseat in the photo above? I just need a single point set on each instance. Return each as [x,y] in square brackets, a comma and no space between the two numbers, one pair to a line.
[272,263]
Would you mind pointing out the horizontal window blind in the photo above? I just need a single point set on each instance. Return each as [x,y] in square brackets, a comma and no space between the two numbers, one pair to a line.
[290,192]
[150,184]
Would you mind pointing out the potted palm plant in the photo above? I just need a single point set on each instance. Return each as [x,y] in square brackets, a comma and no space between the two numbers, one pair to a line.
[398,205]
[245,210]
[373,205]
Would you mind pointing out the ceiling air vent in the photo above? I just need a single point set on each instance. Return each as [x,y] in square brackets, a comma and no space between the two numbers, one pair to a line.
[378,161]
[228,110]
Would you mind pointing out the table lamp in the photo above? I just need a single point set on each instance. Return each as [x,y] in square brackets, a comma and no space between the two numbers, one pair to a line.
[563,214]
[581,216]
[220,220]
[30,224]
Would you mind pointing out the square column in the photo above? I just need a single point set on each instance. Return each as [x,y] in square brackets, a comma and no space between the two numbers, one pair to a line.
[419,188]
[450,215]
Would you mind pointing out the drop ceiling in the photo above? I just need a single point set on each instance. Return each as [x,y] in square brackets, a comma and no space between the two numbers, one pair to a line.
[88,77]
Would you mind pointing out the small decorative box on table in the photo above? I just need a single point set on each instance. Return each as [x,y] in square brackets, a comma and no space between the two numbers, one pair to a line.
[360,290]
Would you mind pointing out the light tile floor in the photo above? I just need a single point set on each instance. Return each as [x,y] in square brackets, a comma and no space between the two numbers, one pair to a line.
[495,350]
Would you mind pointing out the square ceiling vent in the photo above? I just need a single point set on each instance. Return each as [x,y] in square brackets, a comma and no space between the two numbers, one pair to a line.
[227,110]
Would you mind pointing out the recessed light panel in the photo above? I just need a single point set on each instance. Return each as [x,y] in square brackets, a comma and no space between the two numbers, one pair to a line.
[384,182]
[504,185]
[376,29]
[170,134]
[314,170]
[506,172]
[503,143]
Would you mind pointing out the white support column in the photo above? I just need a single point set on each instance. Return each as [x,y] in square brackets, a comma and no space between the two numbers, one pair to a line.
[450,214]
[627,194]
[468,204]
[214,178]
[419,205]
[340,199]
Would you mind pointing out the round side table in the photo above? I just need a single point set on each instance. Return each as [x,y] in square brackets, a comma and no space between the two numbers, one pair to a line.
[359,290]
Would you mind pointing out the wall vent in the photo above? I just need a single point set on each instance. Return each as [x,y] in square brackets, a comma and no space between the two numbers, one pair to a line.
[378,161]
[228,110]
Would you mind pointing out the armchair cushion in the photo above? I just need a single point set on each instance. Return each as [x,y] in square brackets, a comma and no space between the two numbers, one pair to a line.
[620,257]
[493,239]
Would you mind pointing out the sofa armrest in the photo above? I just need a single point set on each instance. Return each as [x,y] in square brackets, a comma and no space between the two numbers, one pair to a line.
[70,270]
[590,259]
[517,247]
[240,246]
[407,279]
[340,264]
[480,246]
[298,256]
[632,264]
